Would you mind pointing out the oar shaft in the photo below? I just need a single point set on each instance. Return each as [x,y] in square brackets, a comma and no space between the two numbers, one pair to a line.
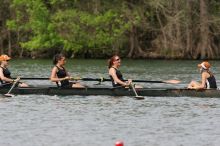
[146,81]
[83,79]
[132,86]
[94,79]
[13,85]
[35,78]
[104,79]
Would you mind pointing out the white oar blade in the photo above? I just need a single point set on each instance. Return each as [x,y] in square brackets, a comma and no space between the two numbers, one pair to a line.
[8,95]
[172,81]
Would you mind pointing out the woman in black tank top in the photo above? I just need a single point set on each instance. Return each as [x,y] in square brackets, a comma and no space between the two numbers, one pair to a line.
[60,74]
[208,79]
[115,75]
[5,74]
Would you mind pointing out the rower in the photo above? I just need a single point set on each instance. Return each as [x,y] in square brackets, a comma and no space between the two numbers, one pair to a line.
[115,74]
[5,74]
[60,74]
[208,79]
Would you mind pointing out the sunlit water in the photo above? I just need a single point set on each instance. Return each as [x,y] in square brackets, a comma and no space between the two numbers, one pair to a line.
[34,120]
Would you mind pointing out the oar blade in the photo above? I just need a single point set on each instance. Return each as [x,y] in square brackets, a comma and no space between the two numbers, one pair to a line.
[172,81]
[136,95]
[139,97]
[8,95]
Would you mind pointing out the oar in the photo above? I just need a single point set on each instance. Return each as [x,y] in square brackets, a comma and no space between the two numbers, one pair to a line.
[35,78]
[167,81]
[13,85]
[104,79]
[71,78]
[136,95]
[143,81]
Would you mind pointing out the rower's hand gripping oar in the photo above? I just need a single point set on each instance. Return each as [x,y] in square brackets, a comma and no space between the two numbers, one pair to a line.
[136,95]
[13,85]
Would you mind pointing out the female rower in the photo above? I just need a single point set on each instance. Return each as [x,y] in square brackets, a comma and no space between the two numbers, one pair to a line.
[60,74]
[5,74]
[208,79]
[115,75]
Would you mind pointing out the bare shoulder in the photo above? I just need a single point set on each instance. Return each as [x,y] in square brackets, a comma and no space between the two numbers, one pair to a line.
[205,74]
[111,70]
[1,70]
[54,69]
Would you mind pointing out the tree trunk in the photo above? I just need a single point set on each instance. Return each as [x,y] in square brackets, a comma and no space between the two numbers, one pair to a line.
[96,6]
[18,40]
[131,40]
[178,43]
[204,31]
[9,43]
[189,45]
[135,48]
[162,30]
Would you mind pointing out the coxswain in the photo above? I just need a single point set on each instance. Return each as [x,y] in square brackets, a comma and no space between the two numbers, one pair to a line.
[208,79]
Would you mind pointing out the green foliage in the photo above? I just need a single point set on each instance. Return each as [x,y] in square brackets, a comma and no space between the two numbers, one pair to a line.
[80,29]
[37,24]
[11,24]
[109,26]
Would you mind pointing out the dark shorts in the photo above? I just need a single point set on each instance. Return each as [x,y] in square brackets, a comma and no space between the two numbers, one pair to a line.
[8,85]
[68,85]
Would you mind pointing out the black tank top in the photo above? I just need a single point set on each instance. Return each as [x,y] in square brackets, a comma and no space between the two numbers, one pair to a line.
[6,73]
[61,73]
[120,77]
[211,82]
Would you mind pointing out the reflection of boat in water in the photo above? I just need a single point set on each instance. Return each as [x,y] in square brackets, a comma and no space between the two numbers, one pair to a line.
[155,92]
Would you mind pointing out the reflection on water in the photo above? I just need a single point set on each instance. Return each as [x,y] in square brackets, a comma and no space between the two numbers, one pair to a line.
[102,120]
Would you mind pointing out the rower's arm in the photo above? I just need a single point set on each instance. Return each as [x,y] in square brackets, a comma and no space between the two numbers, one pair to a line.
[54,78]
[3,78]
[202,85]
[204,77]
[112,72]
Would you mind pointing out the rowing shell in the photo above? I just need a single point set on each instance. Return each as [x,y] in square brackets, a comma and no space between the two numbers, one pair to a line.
[155,92]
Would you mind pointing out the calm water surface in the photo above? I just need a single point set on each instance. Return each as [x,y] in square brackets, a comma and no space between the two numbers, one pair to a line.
[34,120]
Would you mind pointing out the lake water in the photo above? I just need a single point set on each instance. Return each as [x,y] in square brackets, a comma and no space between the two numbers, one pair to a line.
[41,120]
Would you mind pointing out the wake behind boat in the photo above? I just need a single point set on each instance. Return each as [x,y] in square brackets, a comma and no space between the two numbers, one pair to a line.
[110,91]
